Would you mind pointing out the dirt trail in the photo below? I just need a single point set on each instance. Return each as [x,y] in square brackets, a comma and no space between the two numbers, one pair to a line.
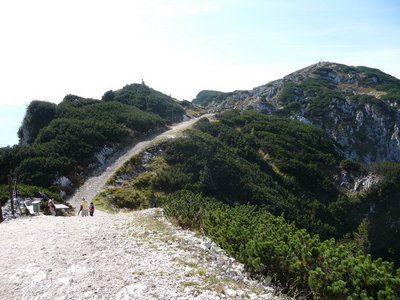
[136,255]
[94,184]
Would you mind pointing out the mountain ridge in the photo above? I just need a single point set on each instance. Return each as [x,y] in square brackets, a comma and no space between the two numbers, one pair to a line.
[274,192]
[357,106]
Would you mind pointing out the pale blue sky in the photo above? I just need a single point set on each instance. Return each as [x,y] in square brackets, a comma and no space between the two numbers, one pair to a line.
[53,48]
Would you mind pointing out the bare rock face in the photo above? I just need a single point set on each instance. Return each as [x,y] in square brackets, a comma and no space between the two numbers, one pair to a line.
[63,181]
[355,181]
[24,136]
[101,157]
[357,106]
[38,115]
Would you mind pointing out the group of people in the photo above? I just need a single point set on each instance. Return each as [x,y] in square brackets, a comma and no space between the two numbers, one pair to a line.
[86,208]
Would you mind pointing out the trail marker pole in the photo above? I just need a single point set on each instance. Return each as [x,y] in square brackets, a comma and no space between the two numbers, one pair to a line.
[10,189]
[1,214]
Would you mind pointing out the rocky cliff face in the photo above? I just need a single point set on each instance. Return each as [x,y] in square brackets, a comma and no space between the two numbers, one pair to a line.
[357,106]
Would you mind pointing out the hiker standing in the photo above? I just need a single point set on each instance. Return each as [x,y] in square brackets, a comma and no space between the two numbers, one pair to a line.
[91,209]
[85,207]
[52,207]
[80,209]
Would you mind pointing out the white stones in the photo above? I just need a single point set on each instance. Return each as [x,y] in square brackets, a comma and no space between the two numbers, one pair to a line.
[63,181]
[356,181]
[134,290]
[335,77]
[39,276]
[123,256]
[364,183]
[65,280]
[103,154]
[230,293]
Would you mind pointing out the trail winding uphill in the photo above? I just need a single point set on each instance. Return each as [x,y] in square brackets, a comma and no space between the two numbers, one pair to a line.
[135,255]
[93,185]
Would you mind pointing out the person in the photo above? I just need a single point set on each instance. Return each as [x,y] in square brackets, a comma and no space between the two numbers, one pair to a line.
[85,207]
[80,209]
[91,209]
[52,207]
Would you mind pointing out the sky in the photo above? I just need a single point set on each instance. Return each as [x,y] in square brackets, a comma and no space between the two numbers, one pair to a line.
[179,47]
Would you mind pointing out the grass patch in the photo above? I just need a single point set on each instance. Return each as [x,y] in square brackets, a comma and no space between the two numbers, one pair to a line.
[189,283]
[185,263]
[138,273]
[128,167]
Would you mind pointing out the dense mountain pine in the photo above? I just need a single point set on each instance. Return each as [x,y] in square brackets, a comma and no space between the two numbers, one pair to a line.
[61,140]
[246,178]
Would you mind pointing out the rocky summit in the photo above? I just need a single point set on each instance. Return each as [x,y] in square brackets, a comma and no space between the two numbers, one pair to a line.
[357,106]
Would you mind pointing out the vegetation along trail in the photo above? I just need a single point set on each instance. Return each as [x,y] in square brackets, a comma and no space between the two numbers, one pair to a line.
[93,185]
[135,255]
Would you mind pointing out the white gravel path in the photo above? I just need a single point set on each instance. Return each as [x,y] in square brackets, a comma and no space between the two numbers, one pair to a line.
[136,255]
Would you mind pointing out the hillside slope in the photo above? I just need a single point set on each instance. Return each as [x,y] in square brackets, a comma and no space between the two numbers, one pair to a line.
[254,182]
[60,145]
[357,106]
[94,184]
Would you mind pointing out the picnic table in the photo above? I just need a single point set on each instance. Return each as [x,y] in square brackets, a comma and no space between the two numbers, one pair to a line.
[34,206]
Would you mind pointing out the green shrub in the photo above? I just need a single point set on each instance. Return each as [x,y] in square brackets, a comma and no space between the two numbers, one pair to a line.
[28,191]
[171,179]
[114,198]
[206,97]
[4,194]
[350,165]
[269,245]
[147,99]
[186,208]
[65,137]
[379,80]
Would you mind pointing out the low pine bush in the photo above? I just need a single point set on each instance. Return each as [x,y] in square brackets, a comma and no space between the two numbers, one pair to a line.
[269,245]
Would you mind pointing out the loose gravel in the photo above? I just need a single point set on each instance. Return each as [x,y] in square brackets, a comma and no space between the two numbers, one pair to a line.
[135,255]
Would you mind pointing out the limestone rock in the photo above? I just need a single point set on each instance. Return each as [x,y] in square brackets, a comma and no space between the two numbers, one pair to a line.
[361,116]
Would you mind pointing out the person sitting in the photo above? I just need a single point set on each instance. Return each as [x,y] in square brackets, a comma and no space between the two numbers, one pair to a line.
[52,207]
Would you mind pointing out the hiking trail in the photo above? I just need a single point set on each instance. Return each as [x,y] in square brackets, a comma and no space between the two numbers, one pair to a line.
[135,255]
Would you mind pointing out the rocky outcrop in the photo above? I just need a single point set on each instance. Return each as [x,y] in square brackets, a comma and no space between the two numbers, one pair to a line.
[357,106]
[367,134]
[101,157]
[137,165]
[355,181]
[24,135]
[38,115]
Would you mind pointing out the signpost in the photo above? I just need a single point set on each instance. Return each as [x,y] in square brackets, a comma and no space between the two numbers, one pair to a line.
[10,189]
[1,214]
